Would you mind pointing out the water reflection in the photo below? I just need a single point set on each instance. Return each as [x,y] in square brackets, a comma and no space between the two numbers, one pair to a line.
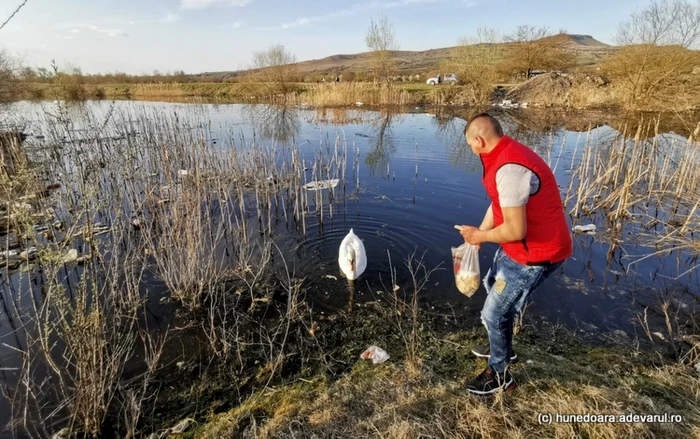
[381,142]
[275,123]
[449,129]
[337,117]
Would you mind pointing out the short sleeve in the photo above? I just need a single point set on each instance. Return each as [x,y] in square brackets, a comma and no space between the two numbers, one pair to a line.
[515,183]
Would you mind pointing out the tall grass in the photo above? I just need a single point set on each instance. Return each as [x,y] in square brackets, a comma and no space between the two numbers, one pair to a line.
[643,191]
[642,175]
[149,195]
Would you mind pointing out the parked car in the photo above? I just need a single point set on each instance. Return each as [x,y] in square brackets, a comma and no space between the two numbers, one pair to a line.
[439,79]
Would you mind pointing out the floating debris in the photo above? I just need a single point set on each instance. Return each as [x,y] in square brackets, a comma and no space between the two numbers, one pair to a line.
[319,185]
[330,276]
[8,254]
[588,229]
[70,257]
[29,253]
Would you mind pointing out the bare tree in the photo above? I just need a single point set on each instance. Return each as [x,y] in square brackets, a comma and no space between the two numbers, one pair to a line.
[275,65]
[654,65]
[667,22]
[535,48]
[476,61]
[381,41]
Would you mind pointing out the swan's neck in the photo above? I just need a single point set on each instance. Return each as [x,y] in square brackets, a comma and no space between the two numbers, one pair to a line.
[351,257]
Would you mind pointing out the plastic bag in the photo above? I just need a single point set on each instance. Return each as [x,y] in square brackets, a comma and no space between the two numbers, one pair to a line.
[465,261]
[376,354]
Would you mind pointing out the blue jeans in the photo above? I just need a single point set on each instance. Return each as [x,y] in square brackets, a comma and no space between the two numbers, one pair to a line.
[508,284]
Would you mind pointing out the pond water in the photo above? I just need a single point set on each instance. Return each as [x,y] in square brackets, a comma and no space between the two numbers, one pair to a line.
[415,178]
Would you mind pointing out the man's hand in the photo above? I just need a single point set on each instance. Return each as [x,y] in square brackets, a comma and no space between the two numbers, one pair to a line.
[471,234]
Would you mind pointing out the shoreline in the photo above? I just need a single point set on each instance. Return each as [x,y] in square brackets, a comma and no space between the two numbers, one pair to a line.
[333,95]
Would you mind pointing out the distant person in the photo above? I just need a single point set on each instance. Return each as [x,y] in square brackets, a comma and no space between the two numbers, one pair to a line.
[527,219]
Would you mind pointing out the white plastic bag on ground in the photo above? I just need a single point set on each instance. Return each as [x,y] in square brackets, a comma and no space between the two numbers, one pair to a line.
[376,354]
[465,261]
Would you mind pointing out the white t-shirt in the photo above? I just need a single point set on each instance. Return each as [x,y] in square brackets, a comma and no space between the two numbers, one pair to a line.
[515,183]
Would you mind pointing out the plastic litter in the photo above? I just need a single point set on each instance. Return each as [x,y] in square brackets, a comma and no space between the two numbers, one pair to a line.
[376,354]
[181,426]
[323,184]
[588,228]
[465,262]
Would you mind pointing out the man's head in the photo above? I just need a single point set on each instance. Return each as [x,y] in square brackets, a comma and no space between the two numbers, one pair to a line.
[483,132]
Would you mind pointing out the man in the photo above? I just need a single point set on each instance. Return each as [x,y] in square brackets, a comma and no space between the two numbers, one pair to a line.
[527,219]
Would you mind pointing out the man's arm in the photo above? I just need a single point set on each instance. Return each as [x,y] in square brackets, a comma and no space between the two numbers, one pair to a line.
[487,223]
[514,228]
[514,184]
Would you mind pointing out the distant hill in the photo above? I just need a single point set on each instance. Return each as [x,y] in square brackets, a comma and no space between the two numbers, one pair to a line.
[590,50]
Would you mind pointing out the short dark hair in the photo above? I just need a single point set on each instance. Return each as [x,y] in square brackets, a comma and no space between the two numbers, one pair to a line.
[494,123]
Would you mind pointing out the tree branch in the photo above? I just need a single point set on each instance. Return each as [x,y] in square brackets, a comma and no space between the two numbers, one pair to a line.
[13,14]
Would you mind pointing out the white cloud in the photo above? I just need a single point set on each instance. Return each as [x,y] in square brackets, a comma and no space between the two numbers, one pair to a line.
[355,10]
[206,4]
[170,18]
[77,29]
[234,25]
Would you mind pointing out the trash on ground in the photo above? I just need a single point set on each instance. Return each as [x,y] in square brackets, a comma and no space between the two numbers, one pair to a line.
[181,426]
[330,276]
[588,228]
[376,354]
[323,184]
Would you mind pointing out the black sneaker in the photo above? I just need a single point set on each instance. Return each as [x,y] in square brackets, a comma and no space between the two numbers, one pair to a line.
[484,351]
[489,382]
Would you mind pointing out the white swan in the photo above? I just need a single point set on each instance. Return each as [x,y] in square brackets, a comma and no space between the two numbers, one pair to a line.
[352,257]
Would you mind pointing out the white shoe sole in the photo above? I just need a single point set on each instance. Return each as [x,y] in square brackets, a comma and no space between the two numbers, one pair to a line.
[503,387]
[513,358]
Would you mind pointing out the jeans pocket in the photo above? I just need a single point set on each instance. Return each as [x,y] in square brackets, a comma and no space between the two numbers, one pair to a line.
[513,281]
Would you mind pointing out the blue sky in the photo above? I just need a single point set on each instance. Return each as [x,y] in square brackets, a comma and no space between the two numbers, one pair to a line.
[139,36]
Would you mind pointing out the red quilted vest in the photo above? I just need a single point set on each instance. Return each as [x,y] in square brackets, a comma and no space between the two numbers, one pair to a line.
[548,239]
